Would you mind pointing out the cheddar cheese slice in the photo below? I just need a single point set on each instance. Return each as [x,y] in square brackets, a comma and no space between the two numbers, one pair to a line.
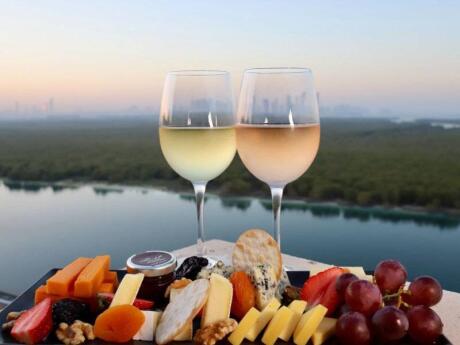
[246,323]
[62,282]
[277,325]
[297,307]
[92,276]
[325,330]
[128,289]
[265,316]
[308,324]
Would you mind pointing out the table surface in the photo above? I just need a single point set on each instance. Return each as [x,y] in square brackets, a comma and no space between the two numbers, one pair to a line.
[448,309]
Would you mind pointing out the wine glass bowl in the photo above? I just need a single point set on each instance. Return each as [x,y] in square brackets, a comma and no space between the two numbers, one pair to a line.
[197,134]
[278,131]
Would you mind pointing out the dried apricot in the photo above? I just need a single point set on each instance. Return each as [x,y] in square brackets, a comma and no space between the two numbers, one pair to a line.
[244,294]
[119,324]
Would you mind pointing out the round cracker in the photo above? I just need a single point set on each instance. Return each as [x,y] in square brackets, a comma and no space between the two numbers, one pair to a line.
[256,247]
[181,311]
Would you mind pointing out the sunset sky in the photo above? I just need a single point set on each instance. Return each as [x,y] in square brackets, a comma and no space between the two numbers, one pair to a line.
[104,55]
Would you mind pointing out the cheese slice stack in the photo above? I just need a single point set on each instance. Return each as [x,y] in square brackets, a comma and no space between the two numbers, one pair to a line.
[297,307]
[219,301]
[265,316]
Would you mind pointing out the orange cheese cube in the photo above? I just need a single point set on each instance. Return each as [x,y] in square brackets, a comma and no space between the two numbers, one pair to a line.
[106,287]
[92,276]
[111,277]
[62,282]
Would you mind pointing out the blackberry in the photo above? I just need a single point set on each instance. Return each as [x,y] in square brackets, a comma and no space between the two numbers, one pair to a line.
[69,310]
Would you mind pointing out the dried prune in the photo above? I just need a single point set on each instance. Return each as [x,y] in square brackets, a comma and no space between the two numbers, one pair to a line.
[190,267]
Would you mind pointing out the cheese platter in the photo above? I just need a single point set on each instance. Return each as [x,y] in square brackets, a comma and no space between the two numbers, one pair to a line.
[251,300]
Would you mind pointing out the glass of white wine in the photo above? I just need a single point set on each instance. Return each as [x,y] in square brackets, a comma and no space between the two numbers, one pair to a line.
[278,129]
[197,130]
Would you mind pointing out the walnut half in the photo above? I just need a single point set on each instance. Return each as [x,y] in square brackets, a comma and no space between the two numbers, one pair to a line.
[216,331]
[75,334]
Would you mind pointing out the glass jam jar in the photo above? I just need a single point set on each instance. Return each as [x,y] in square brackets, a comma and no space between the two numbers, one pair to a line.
[158,268]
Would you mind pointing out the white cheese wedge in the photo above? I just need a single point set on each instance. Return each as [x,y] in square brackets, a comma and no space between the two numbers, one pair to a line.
[357,271]
[318,268]
[246,323]
[219,301]
[308,324]
[147,331]
[187,333]
[325,330]
[265,316]
[266,284]
[277,325]
[128,289]
[298,308]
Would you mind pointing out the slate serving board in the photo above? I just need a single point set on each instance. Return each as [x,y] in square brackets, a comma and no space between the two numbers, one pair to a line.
[26,300]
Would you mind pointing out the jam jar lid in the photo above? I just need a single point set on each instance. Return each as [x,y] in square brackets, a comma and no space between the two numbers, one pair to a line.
[152,263]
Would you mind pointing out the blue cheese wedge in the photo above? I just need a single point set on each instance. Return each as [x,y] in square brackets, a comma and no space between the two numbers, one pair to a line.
[264,279]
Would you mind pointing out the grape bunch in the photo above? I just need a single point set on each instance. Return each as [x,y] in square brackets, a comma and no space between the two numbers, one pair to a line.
[385,310]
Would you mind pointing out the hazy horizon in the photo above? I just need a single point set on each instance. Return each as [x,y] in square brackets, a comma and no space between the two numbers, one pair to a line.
[388,59]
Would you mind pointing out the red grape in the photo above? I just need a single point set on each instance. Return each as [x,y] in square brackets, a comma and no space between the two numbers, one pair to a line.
[390,275]
[425,326]
[353,329]
[390,323]
[342,283]
[363,297]
[425,291]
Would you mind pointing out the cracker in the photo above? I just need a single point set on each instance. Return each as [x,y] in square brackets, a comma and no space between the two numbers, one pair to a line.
[256,247]
[182,310]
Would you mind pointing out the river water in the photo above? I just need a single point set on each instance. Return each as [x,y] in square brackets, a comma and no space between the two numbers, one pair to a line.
[48,226]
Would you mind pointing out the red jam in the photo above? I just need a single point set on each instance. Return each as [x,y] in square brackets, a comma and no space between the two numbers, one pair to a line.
[158,268]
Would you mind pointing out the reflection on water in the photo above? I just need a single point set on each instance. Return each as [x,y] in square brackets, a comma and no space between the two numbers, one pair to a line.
[50,224]
[320,210]
[365,214]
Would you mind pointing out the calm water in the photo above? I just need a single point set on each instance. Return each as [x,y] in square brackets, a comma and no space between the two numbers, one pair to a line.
[47,227]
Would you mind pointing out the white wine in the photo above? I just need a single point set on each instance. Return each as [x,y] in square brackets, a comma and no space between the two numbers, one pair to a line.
[277,154]
[198,154]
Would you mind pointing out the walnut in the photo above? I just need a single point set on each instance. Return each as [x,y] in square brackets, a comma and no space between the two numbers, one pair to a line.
[10,320]
[75,334]
[216,331]
[177,284]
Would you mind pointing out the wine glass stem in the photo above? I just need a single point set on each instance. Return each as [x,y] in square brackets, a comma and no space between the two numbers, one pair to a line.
[200,188]
[277,195]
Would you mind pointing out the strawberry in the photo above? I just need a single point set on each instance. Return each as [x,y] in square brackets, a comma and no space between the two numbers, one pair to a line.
[320,289]
[35,324]
[105,298]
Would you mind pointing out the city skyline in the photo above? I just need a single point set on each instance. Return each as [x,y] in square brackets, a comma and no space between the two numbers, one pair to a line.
[111,56]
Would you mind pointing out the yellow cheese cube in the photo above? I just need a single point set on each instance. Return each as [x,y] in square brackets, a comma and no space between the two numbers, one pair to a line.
[308,324]
[277,325]
[265,316]
[128,289]
[297,307]
[246,323]
[219,301]
[325,330]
